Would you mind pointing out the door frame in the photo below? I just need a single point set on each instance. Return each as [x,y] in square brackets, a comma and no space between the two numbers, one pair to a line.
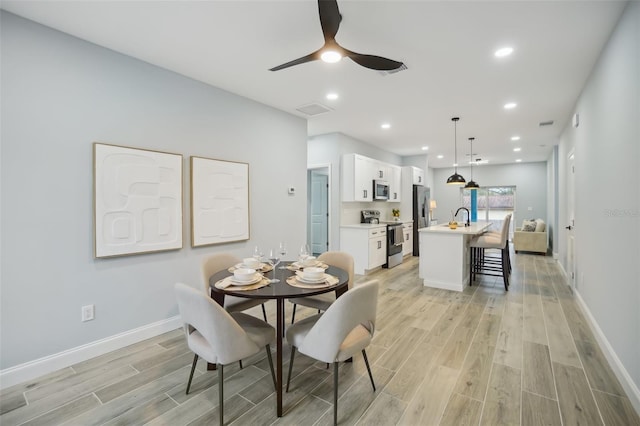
[316,166]
[570,220]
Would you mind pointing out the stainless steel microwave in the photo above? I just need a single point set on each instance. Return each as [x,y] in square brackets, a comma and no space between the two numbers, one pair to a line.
[380,190]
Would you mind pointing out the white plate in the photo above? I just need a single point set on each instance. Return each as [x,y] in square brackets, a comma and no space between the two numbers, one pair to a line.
[257,268]
[257,277]
[301,278]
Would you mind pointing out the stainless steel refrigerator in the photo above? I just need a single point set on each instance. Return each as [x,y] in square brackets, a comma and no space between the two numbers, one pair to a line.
[421,196]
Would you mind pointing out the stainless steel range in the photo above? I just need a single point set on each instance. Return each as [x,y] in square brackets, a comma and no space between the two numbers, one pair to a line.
[395,237]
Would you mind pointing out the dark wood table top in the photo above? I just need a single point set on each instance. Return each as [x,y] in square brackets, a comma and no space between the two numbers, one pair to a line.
[281,290]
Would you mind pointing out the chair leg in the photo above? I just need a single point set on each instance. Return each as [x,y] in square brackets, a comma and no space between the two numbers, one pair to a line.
[293,313]
[335,393]
[220,393]
[366,362]
[240,362]
[264,313]
[293,353]
[273,373]
[193,368]
[505,271]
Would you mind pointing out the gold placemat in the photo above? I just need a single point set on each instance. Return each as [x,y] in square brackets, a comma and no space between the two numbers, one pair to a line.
[264,268]
[295,266]
[330,280]
[225,284]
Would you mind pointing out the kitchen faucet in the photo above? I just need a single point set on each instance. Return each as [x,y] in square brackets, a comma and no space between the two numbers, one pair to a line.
[468,215]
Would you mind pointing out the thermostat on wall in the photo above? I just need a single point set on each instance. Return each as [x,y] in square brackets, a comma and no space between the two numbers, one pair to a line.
[291,190]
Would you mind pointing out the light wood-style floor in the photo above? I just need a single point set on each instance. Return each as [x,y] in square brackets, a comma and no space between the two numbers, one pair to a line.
[438,357]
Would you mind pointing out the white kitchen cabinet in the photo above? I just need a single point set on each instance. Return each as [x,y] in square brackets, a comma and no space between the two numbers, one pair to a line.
[407,245]
[416,175]
[357,177]
[395,184]
[381,171]
[367,244]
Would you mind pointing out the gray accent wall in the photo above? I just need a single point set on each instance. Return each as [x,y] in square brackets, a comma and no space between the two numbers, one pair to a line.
[59,95]
[607,219]
[530,180]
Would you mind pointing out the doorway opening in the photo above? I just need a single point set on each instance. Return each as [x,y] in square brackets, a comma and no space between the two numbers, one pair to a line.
[318,207]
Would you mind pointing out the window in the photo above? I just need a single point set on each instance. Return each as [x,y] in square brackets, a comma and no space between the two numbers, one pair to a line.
[494,203]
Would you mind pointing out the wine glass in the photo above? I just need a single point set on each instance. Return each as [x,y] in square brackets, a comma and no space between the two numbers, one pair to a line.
[304,252]
[283,252]
[274,259]
[257,253]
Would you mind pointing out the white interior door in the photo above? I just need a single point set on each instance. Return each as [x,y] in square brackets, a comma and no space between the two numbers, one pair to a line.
[319,211]
[569,226]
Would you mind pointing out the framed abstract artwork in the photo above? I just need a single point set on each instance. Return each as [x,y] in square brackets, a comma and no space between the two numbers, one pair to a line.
[137,200]
[219,201]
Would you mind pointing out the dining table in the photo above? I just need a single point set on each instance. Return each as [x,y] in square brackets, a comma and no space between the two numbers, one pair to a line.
[280,291]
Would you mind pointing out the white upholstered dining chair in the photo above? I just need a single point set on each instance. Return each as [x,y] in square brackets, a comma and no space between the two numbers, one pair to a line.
[344,329]
[321,302]
[220,337]
[221,261]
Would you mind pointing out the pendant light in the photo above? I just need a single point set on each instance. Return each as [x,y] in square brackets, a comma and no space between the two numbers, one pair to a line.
[471,184]
[455,178]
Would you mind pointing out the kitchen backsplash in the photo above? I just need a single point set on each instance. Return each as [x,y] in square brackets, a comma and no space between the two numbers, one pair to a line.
[350,213]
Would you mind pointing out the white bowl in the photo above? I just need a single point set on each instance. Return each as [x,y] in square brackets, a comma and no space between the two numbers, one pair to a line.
[312,273]
[309,261]
[244,274]
[251,262]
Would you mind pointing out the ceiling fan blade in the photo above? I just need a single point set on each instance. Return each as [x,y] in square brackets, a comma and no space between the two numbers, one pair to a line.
[308,58]
[329,18]
[375,62]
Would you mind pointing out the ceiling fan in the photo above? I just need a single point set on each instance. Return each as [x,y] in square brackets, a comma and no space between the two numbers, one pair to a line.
[331,51]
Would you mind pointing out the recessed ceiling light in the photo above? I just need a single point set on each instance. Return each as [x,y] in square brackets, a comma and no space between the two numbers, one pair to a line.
[440,157]
[515,138]
[518,160]
[330,56]
[385,125]
[516,149]
[424,148]
[332,96]
[504,51]
[510,105]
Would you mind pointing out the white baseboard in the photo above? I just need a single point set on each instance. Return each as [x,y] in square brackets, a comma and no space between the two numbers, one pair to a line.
[618,368]
[33,369]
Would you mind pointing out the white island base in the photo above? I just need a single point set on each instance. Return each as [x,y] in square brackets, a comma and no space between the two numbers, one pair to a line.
[444,255]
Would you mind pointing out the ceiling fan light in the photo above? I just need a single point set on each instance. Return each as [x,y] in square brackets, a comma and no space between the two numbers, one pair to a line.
[330,56]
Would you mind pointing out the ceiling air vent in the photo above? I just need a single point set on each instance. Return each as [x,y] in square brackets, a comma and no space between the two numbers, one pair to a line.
[313,109]
[546,123]
[384,73]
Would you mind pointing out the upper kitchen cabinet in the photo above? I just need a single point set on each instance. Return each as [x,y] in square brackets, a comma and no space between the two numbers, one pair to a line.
[382,171]
[416,174]
[395,183]
[358,173]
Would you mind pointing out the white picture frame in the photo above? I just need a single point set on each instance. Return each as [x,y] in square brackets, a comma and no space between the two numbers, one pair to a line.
[219,201]
[138,201]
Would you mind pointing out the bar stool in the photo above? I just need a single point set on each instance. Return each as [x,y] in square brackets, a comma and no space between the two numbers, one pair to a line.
[481,264]
[497,235]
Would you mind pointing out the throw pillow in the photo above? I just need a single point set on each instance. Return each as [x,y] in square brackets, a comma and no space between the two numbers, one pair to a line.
[540,225]
[529,226]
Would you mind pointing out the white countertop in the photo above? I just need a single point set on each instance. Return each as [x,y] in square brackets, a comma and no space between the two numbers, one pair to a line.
[475,228]
[365,225]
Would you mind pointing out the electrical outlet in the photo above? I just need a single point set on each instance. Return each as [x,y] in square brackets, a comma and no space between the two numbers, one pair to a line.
[88,313]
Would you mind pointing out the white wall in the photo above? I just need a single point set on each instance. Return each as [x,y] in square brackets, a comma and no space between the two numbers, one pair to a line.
[530,180]
[59,95]
[607,227]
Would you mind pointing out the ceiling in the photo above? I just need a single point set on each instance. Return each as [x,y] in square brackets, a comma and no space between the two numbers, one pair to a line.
[447,46]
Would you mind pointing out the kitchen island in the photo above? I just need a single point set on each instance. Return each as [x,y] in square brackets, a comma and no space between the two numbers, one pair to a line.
[444,254]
